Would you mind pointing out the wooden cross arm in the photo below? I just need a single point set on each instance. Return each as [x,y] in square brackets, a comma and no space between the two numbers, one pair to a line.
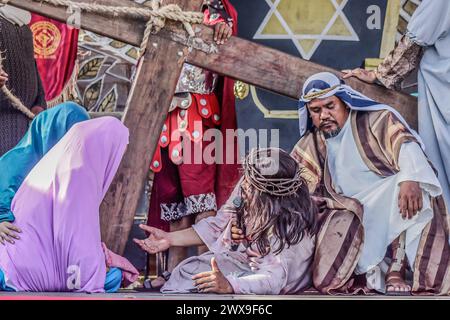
[280,72]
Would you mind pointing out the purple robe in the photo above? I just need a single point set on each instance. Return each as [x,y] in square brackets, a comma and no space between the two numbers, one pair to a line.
[57,209]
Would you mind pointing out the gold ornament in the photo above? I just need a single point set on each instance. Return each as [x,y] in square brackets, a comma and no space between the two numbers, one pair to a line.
[241,90]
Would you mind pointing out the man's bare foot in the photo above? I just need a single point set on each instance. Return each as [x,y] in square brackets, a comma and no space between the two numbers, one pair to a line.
[396,284]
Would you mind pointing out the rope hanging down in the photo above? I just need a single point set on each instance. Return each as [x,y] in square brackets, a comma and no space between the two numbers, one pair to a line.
[15,102]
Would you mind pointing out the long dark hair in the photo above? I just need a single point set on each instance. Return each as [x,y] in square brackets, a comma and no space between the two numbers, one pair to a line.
[270,220]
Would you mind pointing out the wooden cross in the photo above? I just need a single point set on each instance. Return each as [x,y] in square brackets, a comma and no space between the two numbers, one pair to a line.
[155,82]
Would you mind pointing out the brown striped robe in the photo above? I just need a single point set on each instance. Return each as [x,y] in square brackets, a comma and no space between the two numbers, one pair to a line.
[379,136]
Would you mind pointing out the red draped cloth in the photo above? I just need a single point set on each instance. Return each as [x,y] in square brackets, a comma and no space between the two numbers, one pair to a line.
[55,49]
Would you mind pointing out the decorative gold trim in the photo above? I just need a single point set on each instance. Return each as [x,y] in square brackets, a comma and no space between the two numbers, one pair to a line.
[272,114]
[319,93]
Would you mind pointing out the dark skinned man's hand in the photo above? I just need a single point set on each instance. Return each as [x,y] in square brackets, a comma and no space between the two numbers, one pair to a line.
[410,199]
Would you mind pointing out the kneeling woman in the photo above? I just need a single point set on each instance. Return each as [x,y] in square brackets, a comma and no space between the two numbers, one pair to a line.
[272,206]
[56,209]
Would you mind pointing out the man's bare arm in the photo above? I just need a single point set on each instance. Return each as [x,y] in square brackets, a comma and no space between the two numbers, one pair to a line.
[185,238]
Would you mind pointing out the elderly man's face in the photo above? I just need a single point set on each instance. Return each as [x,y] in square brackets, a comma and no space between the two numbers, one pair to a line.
[328,115]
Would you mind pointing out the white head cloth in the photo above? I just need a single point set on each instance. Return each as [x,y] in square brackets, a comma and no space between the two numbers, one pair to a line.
[324,85]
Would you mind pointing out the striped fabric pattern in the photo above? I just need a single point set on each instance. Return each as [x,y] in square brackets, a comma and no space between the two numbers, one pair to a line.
[379,136]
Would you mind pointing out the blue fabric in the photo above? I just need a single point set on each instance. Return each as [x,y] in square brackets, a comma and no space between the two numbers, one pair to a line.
[44,132]
[113,280]
[351,97]
[3,286]
[317,84]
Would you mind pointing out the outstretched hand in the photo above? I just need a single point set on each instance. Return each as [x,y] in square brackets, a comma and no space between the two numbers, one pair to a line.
[157,241]
[212,281]
[8,232]
[368,76]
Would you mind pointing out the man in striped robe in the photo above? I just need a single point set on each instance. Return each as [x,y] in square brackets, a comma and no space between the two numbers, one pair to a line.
[381,207]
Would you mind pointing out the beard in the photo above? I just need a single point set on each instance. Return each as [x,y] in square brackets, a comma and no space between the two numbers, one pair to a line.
[332,134]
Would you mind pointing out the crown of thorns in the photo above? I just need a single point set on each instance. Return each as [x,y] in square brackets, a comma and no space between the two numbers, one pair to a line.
[281,187]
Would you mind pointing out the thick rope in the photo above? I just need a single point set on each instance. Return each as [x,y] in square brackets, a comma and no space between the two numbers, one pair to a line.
[15,102]
[154,12]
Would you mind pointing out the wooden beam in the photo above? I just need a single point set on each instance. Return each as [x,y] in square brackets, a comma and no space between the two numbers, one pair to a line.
[155,83]
[282,73]
[147,108]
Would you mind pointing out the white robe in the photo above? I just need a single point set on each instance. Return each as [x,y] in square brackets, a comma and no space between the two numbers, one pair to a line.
[288,272]
[430,28]
[379,196]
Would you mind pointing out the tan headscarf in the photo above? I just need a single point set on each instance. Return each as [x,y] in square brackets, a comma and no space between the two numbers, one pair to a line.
[15,15]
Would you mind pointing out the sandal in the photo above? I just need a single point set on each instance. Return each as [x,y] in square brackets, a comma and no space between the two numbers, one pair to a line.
[397,269]
[164,277]
[390,279]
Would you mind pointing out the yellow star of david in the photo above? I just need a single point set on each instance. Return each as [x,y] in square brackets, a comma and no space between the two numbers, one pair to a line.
[307,23]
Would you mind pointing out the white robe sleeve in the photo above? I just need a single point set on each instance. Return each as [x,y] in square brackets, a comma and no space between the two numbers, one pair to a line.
[271,278]
[414,166]
[211,228]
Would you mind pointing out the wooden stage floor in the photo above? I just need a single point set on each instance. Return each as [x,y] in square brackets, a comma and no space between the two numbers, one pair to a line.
[139,295]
